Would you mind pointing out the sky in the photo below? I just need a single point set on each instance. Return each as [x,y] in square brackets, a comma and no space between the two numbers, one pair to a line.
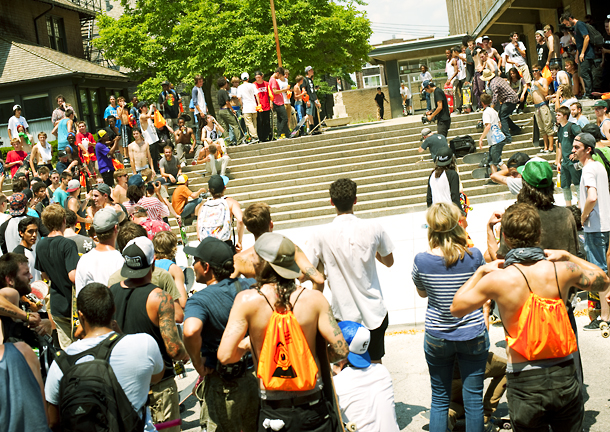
[406,19]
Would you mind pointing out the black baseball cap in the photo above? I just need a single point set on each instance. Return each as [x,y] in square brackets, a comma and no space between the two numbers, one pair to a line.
[139,256]
[213,251]
[217,183]
[517,160]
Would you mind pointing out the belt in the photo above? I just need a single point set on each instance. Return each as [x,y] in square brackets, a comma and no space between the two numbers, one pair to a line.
[540,104]
[294,402]
[537,371]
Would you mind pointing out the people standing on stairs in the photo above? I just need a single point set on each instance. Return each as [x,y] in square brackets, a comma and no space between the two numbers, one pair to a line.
[424,76]
[504,100]
[565,159]
[432,141]
[149,133]
[313,104]
[405,94]
[441,113]
[200,107]
[517,83]
[379,100]
[457,77]
[585,52]
[226,115]
[264,108]
[61,130]
[542,49]
[444,182]
[554,46]
[124,129]
[279,93]
[248,94]
[544,118]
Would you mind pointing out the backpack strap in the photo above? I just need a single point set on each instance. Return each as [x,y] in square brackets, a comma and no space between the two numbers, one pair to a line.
[528,284]
[602,157]
[266,299]
[104,349]
[101,351]
[297,299]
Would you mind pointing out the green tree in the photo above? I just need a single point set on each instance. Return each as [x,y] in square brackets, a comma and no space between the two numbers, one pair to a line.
[178,39]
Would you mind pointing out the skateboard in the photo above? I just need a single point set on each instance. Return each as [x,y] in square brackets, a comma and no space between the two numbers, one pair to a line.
[504,424]
[474,158]
[329,385]
[605,329]
[466,99]
[317,126]
[480,173]
[448,90]
[297,128]
[187,392]
[182,234]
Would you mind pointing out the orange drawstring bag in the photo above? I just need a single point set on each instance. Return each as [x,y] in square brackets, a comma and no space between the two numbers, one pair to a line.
[159,120]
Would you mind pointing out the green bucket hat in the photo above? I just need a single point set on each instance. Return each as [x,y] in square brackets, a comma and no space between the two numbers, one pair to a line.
[537,173]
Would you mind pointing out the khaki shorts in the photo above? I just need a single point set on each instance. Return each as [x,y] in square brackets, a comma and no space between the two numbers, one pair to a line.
[64,331]
[164,403]
[544,120]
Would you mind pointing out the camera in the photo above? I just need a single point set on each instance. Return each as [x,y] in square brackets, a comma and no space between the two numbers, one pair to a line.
[424,120]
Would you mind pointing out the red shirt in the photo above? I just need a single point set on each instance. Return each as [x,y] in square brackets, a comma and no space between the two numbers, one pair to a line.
[153,227]
[14,156]
[278,98]
[263,94]
[90,146]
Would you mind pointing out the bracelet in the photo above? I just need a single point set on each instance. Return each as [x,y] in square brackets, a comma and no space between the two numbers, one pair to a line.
[27,316]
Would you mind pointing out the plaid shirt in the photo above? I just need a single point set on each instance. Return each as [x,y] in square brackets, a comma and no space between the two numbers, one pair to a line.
[502,92]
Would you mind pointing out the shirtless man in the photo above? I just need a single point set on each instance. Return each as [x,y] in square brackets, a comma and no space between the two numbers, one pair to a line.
[74,203]
[251,313]
[139,154]
[542,387]
[41,155]
[119,193]
[544,119]
[123,115]
[491,51]
[185,136]
[552,42]
[149,132]
[257,218]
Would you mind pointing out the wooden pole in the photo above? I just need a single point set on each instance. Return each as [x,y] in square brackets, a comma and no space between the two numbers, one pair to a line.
[277,40]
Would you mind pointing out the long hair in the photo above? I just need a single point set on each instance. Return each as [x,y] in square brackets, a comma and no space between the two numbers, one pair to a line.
[445,232]
[542,199]
[283,287]
[439,170]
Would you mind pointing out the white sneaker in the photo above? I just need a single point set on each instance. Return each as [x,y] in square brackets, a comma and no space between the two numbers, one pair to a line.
[183,164]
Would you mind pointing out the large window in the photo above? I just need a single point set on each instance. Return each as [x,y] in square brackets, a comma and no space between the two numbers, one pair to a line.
[371,75]
[36,106]
[90,107]
[6,109]
[57,33]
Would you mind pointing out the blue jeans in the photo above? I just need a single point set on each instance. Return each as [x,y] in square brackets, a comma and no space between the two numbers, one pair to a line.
[189,208]
[596,246]
[428,103]
[508,126]
[471,356]
[231,131]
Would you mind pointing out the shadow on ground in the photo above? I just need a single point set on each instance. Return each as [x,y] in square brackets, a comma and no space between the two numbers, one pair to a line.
[405,413]
[187,409]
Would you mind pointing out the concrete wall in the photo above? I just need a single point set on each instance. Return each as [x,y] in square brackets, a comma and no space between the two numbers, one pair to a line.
[360,104]
[17,18]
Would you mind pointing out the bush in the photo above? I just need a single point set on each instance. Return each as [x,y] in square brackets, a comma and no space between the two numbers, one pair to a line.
[53,143]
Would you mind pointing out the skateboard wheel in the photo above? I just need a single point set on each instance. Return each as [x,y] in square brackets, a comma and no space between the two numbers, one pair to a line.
[493,319]
[603,326]
[506,425]
[350,427]
[606,333]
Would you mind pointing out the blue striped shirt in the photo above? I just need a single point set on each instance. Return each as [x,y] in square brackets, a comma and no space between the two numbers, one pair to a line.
[441,284]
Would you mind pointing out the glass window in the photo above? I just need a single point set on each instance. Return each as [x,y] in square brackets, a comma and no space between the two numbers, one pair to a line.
[84,101]
[57,34]
[36,106]
[372,81]
[95,105]
[6,109]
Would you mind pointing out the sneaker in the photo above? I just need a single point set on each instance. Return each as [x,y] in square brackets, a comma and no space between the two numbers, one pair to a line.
[490,427]
[183,164]
[593,325]
[125,160]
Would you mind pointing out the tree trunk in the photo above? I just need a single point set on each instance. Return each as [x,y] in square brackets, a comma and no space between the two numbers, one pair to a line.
[207,91]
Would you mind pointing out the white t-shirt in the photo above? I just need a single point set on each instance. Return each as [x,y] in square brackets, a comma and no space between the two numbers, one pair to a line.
[449,70]
[13,122]
[201,101]
[96,266]
[247,93]
[134,360]
[347,248]
[366,397]
[404,91]
[514,55]
[490,116]
[514,185]
[461,70]
[284,84]
[440,189]
[594,175]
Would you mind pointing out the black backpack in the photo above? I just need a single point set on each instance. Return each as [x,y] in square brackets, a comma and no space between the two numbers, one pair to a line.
[90,397]
[595,37]
[462,145]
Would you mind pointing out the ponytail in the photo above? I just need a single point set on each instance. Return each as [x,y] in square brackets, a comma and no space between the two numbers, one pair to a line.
[283,287]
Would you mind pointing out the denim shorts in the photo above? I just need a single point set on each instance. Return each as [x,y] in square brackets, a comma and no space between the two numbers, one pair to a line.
[495,153]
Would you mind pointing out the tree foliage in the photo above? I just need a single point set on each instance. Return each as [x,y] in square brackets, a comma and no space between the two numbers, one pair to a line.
[178,39]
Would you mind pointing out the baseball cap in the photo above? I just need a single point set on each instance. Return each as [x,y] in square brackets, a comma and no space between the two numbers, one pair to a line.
[279,252]
[358,338]
[73,185]
[485,37]
[101,133]
[537,173]
[426,83]
[62,153]
[425,132]
[17,204]
[166,82]
[136,180]
[182,179]
[444,156]
[213,251]
[517,160]
[16,107]
[103,188]
[105,219]
[479,40]
[217,183]
[139,256]
[245,76]
[308,68]
[600,103]
[587,139]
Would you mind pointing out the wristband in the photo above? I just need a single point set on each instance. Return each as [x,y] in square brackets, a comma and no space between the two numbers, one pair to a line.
[27,316]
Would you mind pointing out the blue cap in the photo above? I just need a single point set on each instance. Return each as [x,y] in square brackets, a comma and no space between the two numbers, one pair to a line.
[358,338]
[136,180]
[426,83]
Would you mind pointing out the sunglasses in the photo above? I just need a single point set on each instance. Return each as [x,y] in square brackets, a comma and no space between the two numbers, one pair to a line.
[535,70]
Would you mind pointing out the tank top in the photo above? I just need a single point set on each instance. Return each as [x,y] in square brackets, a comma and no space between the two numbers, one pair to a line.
[150,134]
[46,153]
[132,317]
[164,263]
[600,128]
[25,412]
[62,134]
[544,330]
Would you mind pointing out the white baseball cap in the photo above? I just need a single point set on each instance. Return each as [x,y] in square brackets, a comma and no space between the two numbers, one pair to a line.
[245,76]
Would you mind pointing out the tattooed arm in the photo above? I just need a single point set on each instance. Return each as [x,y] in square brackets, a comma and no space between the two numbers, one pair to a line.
[230,350]
[167,324]
[329,329]
[578,272]
[309,271]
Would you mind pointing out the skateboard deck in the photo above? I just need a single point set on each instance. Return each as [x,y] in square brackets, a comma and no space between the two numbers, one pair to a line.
[297,128]
[474,158]
[187,392]
[317,126]
[182,234]
[327,379]
[480,173]
[466,99]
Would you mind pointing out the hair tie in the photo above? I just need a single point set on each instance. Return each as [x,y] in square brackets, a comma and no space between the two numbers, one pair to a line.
[450,229]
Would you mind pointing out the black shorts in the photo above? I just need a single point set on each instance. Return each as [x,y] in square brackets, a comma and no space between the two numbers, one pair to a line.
[377,345]
[108,178]
[312,418]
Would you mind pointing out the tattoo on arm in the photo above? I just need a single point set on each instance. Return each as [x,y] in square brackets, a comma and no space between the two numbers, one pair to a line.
[310,271]
[337,351]
[8,312]
[167,325]
[333,322]
[598,284]
[572,266]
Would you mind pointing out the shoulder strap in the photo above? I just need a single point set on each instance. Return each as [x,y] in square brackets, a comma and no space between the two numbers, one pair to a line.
[557,280]
[104,349]
[297,299]
[101,351]
[528,284]
[602,156]
[266,299]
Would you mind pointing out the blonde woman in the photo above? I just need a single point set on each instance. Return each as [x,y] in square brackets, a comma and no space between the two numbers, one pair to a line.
[166,245]
[438,273]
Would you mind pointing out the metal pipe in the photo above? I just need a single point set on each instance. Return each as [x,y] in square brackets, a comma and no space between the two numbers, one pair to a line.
[36,19]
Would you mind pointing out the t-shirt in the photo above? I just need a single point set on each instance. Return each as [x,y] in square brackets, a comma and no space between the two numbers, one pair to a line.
[514,185]
[441,283]
[14,156]
[347,247]
[543,54]
[86,139]
[169,100]
[110,110]
[170,166]
[582,121]
[284,84]
[160,278]
[263,94]
[13,122]
[278,99]
[180,197]
[199,100]
[97,266]
[490,116]
[83,243]
[58,256]
[366,397]
[565,135]
[404,91]
[134,360]
[435,143]
[223,97]
[444,189]
[247,92]
[580,31]
[60,196]
[212,306]
[155,208]
[439,95]
[103,160]
[594,175]
[153,227]
[379,97]
[514,55]
[31,256]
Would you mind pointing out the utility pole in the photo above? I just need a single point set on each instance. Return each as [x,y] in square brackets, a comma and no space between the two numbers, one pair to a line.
[277,40]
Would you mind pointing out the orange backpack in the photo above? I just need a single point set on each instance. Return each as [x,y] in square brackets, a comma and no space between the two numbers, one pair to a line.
[544,329]
[158,120]
[286,362]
